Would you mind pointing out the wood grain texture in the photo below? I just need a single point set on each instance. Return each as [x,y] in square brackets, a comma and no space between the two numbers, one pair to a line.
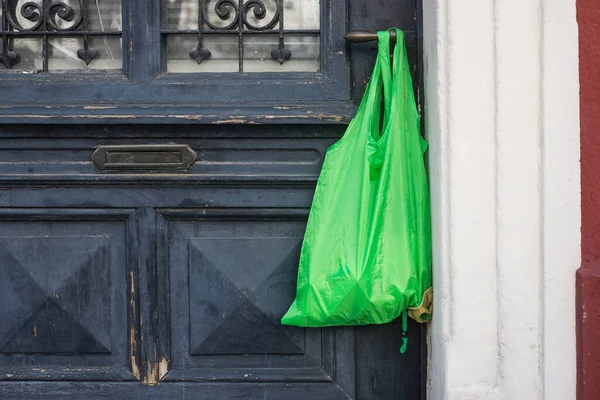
[64,297]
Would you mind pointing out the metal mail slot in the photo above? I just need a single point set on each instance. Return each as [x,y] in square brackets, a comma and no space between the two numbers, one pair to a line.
[159,156]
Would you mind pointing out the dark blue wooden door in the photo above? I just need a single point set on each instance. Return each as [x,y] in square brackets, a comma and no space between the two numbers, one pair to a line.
[151,220]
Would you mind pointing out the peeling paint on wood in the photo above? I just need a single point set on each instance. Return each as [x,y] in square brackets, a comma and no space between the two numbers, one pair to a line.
[163,368]
[231,121]
[178,118]
[99,107]
[135,369]
[156,372]
[150,377]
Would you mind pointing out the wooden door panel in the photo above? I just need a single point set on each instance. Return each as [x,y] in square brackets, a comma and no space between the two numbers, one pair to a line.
[212,254]
[239,288]
[222,152]
[233,276]
[175,391]
[63,295]
[57,297]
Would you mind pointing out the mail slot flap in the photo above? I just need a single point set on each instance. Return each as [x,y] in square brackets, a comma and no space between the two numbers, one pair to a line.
[155,156]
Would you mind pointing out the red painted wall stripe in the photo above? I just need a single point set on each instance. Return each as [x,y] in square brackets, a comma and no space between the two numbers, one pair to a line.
[588,276]
[588,15]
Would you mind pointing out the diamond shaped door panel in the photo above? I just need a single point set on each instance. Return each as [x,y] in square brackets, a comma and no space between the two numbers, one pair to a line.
[57,295]
[232,278]
[63,295]
[235,285]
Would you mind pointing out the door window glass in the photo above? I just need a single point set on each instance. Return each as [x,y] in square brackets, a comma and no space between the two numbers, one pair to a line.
[44,35]
[242,35]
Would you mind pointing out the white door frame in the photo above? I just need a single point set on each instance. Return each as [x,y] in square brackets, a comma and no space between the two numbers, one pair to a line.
[502,102]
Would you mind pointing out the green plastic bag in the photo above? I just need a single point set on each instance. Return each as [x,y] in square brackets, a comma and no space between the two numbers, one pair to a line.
[366,255]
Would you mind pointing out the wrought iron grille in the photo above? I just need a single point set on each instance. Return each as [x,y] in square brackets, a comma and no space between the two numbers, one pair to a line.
[46,19]
[240,18]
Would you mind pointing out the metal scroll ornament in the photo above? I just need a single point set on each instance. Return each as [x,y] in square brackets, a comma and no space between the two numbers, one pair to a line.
[47,18]
[236,17]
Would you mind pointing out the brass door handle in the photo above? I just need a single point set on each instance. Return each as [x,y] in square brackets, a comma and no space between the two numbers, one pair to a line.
[366,36]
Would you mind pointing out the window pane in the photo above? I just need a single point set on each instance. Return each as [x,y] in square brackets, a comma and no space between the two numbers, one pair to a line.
[242,35]
[43,35]
[62,53]
[304,49]
[27,56]
[224,48]
[302,14]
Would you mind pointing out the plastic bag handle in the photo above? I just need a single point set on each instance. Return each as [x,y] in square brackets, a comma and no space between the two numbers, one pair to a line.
[402,77]
[392,77]
[381,80]
[387,77]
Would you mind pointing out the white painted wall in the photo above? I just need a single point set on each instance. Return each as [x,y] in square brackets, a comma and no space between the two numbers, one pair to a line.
[502,95]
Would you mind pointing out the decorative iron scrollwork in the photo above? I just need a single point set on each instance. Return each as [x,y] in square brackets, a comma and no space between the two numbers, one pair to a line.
[48,18]
[229,10]
[239,17]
